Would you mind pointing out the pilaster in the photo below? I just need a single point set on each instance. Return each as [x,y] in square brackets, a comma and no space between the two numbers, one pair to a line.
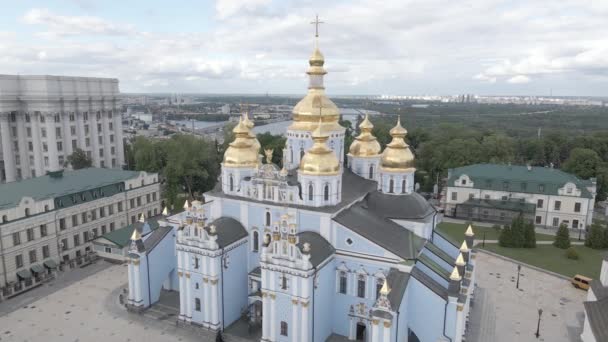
[51,141]
[7,148]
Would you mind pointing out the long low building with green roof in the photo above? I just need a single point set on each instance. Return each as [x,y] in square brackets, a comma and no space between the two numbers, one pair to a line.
[49,221]
[497,193]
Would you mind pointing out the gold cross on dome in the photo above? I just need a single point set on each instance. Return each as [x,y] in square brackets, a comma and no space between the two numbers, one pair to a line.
[316,23]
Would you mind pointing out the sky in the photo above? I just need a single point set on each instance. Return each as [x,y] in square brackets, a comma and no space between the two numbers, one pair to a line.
[394,47]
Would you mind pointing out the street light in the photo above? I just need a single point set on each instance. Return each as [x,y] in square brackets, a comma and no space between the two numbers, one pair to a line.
[483,244]
[540,312]
[518,270]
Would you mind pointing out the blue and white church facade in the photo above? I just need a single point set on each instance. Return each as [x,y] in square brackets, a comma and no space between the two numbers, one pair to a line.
[314,249]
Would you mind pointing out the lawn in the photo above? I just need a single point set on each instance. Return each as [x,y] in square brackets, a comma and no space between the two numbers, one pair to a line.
[554,259]
[455,232]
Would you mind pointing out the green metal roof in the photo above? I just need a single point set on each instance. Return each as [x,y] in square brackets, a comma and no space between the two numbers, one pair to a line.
[122,236]
[515,178]
[51,186]
[510,205]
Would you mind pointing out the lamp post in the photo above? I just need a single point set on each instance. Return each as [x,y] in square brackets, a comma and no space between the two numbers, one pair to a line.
[518,270]
[540,312]
[483,244]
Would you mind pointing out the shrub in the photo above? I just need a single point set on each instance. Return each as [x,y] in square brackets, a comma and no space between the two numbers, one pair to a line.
[571,253]
[562,238]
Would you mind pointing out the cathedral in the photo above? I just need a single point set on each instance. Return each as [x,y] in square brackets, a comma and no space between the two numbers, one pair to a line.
[316,249]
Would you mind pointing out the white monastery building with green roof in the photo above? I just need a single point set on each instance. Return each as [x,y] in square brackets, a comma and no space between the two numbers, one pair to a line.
[492,192]
[44,119]
[51,220]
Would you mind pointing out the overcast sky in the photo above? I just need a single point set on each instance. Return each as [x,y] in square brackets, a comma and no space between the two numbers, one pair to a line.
[395,47]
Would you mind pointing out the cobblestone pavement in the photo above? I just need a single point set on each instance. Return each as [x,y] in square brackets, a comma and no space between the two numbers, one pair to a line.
[501,312]
[88,310]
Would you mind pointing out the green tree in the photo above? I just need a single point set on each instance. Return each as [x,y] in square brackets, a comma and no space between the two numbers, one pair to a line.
[562,238]
[583,162]
[595,236]
[79,160]
[505,239]
[529,235]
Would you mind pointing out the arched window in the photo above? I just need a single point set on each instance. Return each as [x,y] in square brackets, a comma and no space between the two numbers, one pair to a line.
[343,282]
[291,155]
[301,153]
[283,328]
[255,241]
[391,186]
[4,218]
[197,304]
[268,218]
[310,192]
[361,286]
[403,186]
[27,212]
[326,192]
[371,172]
[231,183]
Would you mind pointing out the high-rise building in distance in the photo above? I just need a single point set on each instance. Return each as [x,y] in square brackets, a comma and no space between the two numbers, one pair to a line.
[44,119]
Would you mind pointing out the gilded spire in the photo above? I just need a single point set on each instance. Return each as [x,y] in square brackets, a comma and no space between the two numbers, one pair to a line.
[459,260]
[469,231]
[186,205]
[165,211]
[464,248]
[305,112]
[136,235]
[142,218]
[319,159]
[365,145]
[385,290]
[455,275]
[397,156]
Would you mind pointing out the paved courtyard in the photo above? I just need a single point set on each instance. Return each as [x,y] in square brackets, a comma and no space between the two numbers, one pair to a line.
[88,310]
[503,313]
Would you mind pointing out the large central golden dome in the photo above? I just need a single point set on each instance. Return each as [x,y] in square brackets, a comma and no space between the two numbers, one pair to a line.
[365,145]
[319,160]
[241,152]
[397,156]
[254,140]
[316,103]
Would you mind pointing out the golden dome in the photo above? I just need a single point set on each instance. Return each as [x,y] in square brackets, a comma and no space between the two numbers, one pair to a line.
[319,159]
[316,103]
[252,136]
[365,145]
[397,156]
[241,152]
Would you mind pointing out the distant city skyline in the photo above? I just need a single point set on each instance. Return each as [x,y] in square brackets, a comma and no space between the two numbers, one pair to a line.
[485,47]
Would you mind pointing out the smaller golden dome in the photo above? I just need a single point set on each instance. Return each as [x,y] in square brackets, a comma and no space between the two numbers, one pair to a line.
[319,159]
[365,145]
[250,125]
[317,58]
[397,156]
[241,152]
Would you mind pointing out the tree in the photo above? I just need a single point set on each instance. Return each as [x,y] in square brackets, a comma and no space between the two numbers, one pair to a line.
[562,238]
[79,160]
[595,236]
[529,235]
[583,162]
[505,239]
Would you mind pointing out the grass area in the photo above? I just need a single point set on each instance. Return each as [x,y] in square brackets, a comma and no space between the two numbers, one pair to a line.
[554,259]
[455,232]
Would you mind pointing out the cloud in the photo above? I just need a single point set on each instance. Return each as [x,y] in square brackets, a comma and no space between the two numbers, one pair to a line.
[519,79]
[227,8]
[74,25]
[432,46]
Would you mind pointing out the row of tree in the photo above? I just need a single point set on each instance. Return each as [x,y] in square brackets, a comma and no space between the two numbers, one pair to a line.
[519,234]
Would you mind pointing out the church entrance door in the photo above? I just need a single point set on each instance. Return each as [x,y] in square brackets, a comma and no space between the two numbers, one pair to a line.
[360,332]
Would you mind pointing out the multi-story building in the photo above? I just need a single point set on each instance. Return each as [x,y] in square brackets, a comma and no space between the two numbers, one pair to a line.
[49,220]
[491,192]
[43,119]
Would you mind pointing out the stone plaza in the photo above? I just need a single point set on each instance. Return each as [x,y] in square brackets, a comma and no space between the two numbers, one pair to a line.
[89,310]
